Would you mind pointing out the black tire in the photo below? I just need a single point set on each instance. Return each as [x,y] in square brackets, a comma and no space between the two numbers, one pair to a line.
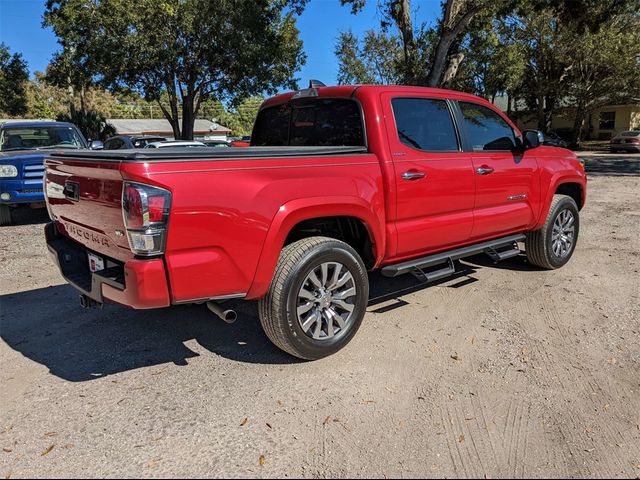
[539,244]
[278,310]
[5,215]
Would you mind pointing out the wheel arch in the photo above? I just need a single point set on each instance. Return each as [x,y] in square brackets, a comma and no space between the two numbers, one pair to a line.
[297,215]
[574,186]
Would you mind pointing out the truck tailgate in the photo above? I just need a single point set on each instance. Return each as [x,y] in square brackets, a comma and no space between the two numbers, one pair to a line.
[84,197]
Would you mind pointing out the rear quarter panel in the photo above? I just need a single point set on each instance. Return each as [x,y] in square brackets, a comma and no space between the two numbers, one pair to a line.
[222,213]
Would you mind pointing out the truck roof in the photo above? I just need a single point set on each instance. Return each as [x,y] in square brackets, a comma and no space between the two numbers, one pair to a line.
[347,91]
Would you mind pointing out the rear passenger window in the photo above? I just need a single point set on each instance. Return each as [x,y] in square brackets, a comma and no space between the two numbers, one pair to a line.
[425,124]
[486,129]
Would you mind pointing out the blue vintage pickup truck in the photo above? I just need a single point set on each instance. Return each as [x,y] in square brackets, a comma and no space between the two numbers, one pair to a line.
[23,146]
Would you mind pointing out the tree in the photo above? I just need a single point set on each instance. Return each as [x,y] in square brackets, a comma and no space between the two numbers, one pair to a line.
[184,50]
[430,56]
[238,118]
[92,124]
[493,62]
[605,70]
[14,75]
[375,59]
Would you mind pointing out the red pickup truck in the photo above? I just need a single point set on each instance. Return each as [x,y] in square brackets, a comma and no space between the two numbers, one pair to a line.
[337,181]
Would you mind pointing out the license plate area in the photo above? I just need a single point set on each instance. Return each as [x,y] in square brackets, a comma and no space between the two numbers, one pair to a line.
[96,263]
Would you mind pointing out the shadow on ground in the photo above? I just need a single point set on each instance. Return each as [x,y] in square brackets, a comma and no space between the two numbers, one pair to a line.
[28,216]
[48,326]
[612,165]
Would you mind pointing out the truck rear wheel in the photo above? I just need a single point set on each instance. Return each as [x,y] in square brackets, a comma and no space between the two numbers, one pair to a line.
[5,215]
[553,245]
[317,298]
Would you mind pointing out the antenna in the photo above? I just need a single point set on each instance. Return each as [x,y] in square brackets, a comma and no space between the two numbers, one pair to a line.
[316,84]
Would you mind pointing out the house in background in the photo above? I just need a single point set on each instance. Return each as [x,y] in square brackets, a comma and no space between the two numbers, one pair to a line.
[602,124]
[607,122]
[202,129]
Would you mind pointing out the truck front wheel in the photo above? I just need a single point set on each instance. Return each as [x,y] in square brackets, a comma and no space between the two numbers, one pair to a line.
[552,246]
[5,215]
[317,298]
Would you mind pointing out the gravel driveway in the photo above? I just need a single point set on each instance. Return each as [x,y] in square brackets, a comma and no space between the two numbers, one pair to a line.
[503,371]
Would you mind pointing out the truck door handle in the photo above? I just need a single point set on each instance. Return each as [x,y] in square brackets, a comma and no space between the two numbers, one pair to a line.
[484,170]
[413,175]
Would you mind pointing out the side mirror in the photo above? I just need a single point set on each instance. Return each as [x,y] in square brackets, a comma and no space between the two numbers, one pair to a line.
[533,138]
[96,145]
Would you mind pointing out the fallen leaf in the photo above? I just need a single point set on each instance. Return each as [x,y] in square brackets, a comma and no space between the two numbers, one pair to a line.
[262,460]
[47,451]
[69,445]
[50,434]
[269,425]
[461,439]
[7,450]
[8,475]
[326,420]
[456,357]
[244,422]
[421,398]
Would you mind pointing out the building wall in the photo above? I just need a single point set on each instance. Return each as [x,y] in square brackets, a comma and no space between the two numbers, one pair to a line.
[627,117]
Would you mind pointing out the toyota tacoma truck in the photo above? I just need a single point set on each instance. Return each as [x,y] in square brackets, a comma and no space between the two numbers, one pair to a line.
[338,181]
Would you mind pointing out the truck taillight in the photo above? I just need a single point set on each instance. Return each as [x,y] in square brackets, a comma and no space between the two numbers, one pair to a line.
[146,213]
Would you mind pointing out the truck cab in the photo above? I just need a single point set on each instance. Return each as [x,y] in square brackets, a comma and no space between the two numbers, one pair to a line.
[24,145]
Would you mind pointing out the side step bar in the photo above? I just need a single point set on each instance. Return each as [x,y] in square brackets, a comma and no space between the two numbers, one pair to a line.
[495,248]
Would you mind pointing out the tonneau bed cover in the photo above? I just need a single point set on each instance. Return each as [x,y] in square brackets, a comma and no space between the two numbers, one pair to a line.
[205,154]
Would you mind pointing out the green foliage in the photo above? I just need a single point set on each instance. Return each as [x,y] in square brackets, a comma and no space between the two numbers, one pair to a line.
[182,51]
[426,55]
[374,59]
[13,79]
[92,124]
[238,118]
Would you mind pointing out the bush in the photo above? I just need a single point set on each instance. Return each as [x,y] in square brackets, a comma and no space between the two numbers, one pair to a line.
[92,124]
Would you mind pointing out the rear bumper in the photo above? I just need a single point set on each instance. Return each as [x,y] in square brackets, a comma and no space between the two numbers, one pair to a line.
[137,283]
[22,191]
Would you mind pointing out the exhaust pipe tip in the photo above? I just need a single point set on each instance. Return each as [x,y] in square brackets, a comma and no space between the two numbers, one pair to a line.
[228,316]
[88,302]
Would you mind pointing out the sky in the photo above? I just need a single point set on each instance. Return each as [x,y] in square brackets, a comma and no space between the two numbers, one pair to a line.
[319,25]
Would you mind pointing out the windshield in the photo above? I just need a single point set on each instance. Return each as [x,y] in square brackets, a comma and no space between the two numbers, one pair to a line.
[37,138]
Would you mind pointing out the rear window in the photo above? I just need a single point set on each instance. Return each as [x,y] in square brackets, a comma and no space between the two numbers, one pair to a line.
[311,123]
[631,133]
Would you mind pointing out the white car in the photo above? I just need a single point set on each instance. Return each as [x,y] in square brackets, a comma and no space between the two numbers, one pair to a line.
[628,141]
[175,144]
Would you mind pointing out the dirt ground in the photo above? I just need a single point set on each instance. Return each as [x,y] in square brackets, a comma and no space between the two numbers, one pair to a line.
[503,371]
